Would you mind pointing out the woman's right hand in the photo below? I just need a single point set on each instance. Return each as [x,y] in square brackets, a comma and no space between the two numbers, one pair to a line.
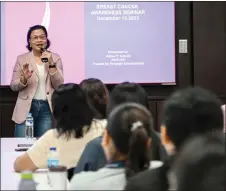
[25,74]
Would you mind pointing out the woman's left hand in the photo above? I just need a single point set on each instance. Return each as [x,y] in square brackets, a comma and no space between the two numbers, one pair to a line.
[48,55]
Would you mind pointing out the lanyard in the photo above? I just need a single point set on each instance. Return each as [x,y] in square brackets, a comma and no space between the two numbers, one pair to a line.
[116,164]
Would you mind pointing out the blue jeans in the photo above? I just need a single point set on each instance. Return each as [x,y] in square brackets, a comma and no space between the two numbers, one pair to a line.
[42,119]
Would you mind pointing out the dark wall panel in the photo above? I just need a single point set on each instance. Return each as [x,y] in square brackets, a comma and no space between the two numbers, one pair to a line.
[0,46]
[7,124]
[159,106]
[153,109]
[184,31]
[0,119]
[209,33]
[7,103]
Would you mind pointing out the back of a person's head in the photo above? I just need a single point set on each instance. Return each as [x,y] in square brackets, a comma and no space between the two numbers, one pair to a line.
[71,110]
[127,92]
[129,126]
[189,112]
[97,95]
[134,93]
[200,166]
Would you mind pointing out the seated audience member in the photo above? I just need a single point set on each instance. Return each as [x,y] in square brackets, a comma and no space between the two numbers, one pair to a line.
[93,157]
[97,96]
[74,128]
[224,113]
[126,144]
[188,112]
[200,166]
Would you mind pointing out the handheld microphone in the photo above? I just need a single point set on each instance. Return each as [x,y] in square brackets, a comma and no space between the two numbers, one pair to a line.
[43,59]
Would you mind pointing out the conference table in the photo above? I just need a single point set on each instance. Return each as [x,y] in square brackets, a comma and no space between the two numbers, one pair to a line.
[9,178]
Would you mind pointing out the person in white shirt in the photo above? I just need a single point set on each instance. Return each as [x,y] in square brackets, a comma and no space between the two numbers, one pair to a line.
[74,128]
[126,144]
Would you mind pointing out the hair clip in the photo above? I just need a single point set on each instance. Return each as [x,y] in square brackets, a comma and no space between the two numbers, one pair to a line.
[135,125]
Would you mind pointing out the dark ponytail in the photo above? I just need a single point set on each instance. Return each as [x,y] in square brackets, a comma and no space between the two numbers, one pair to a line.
[138,158]
[130,127]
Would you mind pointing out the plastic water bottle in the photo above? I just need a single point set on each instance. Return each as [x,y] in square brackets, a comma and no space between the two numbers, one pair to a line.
[53,161]
[29,126]
[26,181]
[53,158]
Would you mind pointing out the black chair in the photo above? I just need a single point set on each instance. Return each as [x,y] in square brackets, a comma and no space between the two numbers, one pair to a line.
[70,173]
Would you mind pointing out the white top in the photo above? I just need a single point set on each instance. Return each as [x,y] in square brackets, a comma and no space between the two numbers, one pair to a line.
[41,92]
[103,179]
[69,150]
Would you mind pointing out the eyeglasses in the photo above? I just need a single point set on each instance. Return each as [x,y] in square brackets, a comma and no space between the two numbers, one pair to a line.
[35,38]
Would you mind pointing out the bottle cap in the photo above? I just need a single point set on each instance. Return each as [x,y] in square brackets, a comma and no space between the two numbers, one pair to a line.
[52,148]
[27,175]
[58,168]
[29,114]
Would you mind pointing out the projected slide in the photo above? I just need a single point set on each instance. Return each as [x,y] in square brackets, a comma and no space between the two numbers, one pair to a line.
[112,41]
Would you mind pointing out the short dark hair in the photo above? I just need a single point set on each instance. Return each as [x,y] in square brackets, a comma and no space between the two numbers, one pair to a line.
[71,110]
[135,93]
[37,27]
[127,92]
[191,111]
[130,126]
[97,95]
[200,166]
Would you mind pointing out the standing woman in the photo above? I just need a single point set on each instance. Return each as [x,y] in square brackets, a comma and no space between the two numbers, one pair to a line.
[35,81]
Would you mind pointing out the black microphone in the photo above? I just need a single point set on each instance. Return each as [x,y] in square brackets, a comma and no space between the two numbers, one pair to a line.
[43,59]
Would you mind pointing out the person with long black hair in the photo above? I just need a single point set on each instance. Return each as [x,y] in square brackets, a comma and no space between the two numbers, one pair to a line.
[126,144]
[93,157]
[74,128]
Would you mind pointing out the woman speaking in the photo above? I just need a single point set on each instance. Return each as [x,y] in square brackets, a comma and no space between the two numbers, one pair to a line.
[35,76]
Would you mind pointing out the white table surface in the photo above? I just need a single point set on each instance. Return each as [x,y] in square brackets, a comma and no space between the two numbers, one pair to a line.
[9,178]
